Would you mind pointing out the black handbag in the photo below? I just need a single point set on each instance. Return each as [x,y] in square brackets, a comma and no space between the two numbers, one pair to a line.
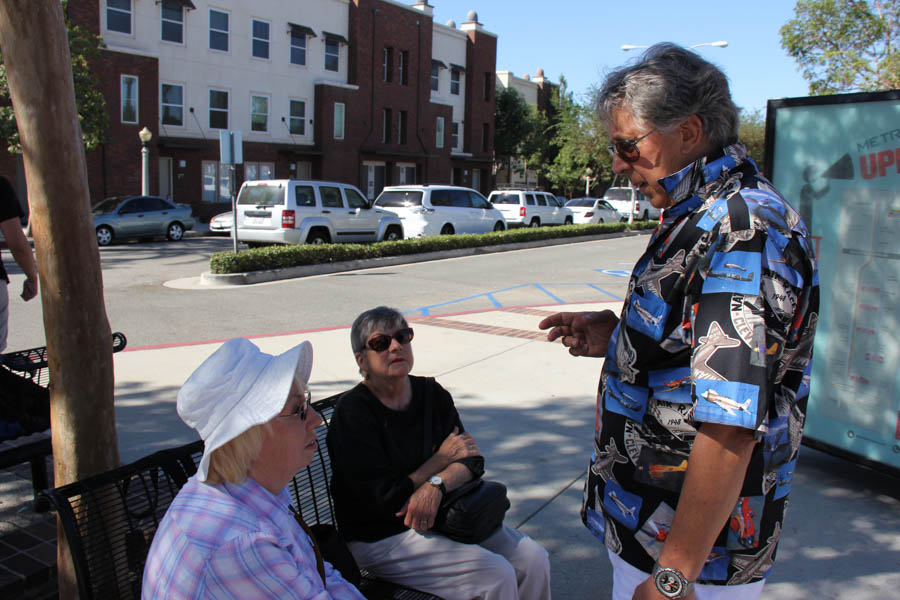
[472,512]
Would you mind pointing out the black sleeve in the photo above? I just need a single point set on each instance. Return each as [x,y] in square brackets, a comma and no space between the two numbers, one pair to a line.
[448,418]
[9,203]
[360,459]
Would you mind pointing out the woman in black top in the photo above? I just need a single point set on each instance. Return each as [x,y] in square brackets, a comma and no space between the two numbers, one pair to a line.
[387,488]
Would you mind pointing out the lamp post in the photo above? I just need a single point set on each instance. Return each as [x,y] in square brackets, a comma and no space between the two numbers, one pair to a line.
[719,44]
[587,181]
[146,135]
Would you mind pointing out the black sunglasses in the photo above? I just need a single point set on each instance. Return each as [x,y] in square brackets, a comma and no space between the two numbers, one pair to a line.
[301,410]
[627,150]
[382,342]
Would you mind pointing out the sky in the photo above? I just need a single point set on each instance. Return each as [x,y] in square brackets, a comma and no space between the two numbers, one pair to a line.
[581,39]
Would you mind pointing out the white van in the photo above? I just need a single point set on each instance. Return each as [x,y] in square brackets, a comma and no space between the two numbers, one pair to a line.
[288,211]
[440,210]
[530,208]
[621,198]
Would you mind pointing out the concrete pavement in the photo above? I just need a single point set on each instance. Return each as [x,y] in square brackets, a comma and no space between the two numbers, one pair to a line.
[531,408]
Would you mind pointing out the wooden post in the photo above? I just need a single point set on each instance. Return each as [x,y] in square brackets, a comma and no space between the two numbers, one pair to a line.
[39,72]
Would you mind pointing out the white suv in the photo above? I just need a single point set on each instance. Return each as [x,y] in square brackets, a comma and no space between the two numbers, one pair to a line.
[621,199]
[440,210]
[531,208]
[288,211]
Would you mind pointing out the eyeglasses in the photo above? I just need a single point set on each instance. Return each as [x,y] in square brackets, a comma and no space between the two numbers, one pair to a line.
[382,342]
[301,410]
[627,150]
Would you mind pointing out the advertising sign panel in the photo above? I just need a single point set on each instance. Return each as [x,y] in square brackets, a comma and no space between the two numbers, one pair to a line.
[837,160]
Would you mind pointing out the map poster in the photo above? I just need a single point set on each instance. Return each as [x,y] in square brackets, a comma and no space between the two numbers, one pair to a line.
[836,159]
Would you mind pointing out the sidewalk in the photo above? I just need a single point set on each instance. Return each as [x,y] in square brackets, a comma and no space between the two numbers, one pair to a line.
[531,407]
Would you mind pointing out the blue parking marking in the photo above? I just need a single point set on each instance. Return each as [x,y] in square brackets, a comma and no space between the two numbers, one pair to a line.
[614,272]
[492,296]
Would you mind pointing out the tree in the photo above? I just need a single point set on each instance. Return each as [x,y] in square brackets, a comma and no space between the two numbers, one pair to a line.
[752,131]
[845,45]
[84,47]
[512,126]
[580,140]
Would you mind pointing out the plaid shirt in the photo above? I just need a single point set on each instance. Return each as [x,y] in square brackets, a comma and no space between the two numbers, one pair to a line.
[237,542]
[717,327]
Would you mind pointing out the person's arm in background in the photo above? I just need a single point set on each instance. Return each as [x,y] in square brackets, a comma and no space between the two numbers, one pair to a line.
[22,254]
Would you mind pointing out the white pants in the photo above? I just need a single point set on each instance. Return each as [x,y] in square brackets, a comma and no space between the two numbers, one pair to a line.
[4,313]
[509,565]
[626,578]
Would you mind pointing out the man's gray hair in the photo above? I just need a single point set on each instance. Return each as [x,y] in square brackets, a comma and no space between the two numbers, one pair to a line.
[667,85]
[380,317]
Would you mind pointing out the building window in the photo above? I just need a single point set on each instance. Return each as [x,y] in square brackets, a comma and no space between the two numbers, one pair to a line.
[118,16]
[298,47]
[218,109]
[217,181]
[386,120]
[454,82]
[129,99]
[297,125]
[218,30]
[339,120]
[435,77]
[404,67]
[259,113]
[260,42]
[332,54]
[439,133]
[172,104]
[387,64]
[254,171]
[485,137]
[401,127]
[172,22]
[454,139]
[488,79]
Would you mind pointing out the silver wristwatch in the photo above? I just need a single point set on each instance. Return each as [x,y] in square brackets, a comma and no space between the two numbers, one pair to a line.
[670,582]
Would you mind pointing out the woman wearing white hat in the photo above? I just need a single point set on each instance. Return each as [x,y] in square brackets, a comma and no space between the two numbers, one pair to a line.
[231,531]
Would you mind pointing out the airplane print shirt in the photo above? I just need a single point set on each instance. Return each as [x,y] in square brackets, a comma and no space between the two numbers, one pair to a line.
[717,327]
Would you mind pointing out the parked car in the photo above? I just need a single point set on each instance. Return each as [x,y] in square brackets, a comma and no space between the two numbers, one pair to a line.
[440,209]
[621,199]
[289,211]
[222,223]
[592,210]
[122,217]
[530,208]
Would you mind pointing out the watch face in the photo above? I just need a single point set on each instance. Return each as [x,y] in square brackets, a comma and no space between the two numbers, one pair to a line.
[435,480]
[668,583]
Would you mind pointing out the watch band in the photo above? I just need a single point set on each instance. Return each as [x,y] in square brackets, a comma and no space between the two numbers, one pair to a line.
[671,583]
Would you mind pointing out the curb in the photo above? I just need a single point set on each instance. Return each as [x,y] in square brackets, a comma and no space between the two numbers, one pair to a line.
[209,279]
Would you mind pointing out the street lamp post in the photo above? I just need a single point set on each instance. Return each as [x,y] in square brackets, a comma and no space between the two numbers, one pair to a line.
[587,181]
[146,135]
[719,44]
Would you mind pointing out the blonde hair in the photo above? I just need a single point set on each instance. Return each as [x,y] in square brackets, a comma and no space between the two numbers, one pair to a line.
[231,461]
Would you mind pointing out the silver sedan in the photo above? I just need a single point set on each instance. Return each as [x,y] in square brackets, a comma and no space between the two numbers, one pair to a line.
[124,217]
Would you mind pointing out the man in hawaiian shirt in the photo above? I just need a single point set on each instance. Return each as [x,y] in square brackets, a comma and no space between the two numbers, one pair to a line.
[706,378]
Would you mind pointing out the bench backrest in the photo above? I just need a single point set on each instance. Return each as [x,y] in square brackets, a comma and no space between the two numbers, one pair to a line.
[110,519]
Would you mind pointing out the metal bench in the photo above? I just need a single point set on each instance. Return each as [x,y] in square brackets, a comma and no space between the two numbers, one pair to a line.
[110,519]
[25,410]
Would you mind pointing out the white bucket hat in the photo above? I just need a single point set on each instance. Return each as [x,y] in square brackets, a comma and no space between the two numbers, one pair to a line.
[236,388]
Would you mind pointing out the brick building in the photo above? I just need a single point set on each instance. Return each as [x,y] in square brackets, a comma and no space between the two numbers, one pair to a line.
[369,92]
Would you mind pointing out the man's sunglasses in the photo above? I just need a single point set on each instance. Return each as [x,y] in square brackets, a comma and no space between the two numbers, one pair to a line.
[627,150]
[382,342]
[301,410]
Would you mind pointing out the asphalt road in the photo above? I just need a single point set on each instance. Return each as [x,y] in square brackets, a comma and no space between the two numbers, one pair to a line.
[151,313]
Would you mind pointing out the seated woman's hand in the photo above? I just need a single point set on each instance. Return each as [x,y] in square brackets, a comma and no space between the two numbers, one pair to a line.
[421,508]
[458,446]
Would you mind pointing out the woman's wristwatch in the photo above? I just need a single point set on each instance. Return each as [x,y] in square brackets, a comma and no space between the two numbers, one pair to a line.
[436,481]
[670,582]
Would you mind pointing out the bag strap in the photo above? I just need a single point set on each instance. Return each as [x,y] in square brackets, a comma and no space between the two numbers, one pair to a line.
[429,399]
[320,563]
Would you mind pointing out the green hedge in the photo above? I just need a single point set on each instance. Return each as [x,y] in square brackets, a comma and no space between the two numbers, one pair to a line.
[279,257]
